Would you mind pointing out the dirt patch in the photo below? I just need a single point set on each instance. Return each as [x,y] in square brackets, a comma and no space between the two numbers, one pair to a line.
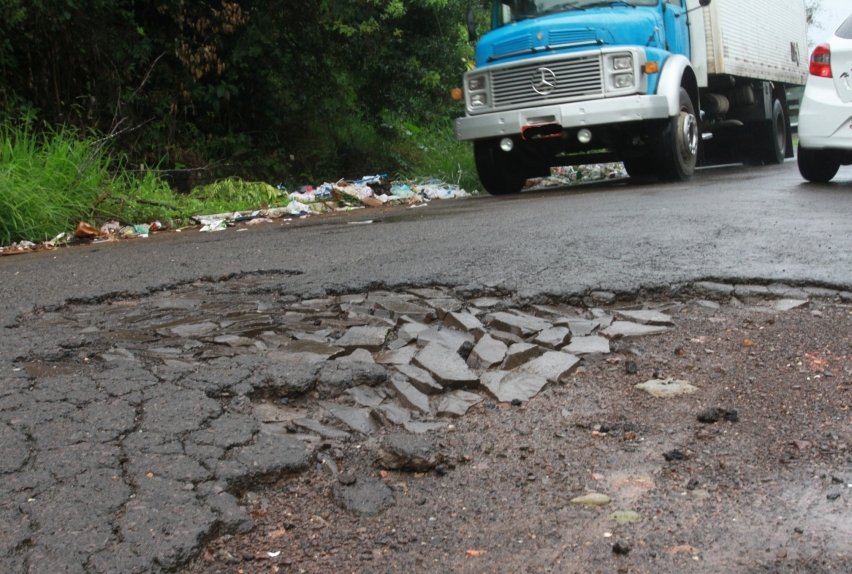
[765,487]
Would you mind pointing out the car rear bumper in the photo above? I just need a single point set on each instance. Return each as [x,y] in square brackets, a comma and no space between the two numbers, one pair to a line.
[825,122]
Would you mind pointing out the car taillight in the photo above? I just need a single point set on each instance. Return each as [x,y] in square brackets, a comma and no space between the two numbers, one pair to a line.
[821,61]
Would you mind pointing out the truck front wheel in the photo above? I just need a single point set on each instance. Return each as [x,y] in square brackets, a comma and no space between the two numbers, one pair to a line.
[500,172]
[677,147]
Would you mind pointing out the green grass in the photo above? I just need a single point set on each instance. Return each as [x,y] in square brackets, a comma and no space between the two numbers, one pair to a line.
[52,180]
[46,182]
[437,154]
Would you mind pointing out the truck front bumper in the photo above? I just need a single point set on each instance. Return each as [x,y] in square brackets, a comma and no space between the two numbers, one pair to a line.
[573,115]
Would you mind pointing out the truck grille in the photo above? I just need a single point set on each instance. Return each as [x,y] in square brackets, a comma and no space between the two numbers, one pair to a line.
[575,79]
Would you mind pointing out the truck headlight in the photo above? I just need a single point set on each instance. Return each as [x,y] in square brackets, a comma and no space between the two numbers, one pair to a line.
[479,100]
[622,62]
[620,81]
[476,83]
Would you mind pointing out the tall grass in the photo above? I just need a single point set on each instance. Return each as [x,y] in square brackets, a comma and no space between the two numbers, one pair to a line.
[51,180]
[48,181]
[441,156]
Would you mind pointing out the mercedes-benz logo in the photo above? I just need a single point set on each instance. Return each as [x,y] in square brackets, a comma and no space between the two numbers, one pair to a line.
[544,81]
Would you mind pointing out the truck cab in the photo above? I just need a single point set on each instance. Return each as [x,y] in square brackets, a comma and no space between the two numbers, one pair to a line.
[638,81]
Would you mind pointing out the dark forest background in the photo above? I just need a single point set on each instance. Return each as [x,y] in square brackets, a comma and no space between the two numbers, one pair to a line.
[294,90]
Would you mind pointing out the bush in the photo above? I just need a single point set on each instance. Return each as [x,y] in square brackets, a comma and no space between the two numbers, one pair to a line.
[49,181]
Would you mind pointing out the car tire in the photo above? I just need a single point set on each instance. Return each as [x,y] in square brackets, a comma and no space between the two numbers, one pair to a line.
[816,166]
[500,172]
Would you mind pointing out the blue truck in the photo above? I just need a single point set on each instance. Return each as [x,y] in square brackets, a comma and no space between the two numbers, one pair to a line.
[660,85]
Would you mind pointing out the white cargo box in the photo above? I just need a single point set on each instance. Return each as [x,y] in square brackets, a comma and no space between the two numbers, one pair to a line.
[760,39]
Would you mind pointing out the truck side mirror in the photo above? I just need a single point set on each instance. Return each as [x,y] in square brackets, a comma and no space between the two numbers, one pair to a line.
[471,25]
[703,3]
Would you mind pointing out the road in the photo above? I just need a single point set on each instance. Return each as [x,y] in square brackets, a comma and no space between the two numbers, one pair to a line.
[150,386]
[730,223]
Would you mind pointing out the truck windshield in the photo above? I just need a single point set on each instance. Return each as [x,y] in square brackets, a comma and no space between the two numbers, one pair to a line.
[508,11]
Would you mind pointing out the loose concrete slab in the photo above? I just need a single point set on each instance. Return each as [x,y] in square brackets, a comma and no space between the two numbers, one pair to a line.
[487,353]
[552,366]
[510,386]
[589,345]
[625,329]
[446,366]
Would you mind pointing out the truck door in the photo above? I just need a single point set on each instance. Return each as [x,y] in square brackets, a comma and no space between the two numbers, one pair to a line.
[677,33]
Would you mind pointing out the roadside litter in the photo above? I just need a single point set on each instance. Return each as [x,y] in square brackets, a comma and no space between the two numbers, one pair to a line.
[344,195]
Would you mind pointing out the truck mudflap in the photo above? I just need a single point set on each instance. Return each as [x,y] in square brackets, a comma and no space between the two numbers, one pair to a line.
[547,119]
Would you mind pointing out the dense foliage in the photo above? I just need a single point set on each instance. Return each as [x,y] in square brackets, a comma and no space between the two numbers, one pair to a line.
[287,91]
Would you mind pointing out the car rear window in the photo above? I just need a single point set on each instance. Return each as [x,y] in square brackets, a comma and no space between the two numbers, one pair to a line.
[845,30]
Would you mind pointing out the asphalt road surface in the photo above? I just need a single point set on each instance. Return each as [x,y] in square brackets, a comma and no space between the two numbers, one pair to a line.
[131,427]
[728,223]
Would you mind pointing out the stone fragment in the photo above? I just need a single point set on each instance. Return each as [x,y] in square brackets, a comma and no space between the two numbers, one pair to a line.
[600,297]
[519,324]
[579,327]
[391,413]
[401,356]
[487,353]
[457,403]
[520,353]
[420,427]
[366,396]
[665,388]
[448,338]
[356,418]
[311,351]
[366,496]
[446,366]
[553,337]
[233,341]
[506,386]
[357,356]
[713,289]
[367,337]
[553,365]
[751,291]
[465,322]
[317,427]
[421,379]
[592,499]
[272,456]
[487,302]
[646,317]
[443,306]
[398,309]
[715,414]
[621,329]
[786,291]
[407,333]
[589,345]
[201,329]
[409,396]
[334,377]
[790,304]
[505,336]
[404,451]
[625,517]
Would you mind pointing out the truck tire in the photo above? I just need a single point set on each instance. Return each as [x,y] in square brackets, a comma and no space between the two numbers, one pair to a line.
[500,172]
[677,145]
[770,138]
[816,165]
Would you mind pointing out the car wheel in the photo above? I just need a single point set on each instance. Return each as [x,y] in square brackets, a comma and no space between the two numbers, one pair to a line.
[816,165]
[500,172]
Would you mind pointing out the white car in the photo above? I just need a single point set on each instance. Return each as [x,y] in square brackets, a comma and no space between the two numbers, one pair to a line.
[825,116]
